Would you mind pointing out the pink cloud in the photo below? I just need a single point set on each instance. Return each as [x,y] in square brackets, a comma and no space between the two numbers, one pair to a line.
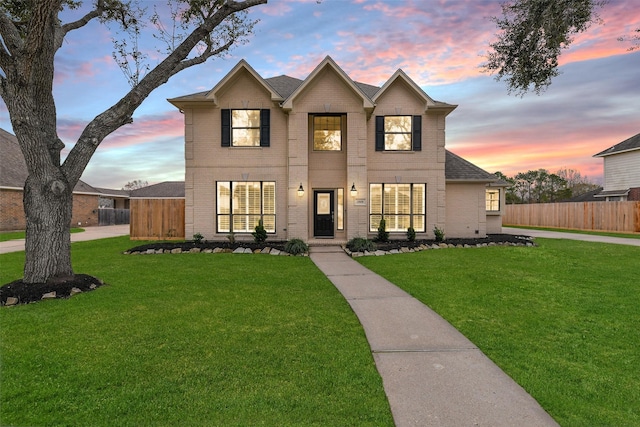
[144,129]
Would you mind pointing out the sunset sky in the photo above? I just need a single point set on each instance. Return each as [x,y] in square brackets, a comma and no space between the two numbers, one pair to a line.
[592,105]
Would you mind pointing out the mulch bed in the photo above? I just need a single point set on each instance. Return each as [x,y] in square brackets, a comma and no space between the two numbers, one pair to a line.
[32,292]
[62,286]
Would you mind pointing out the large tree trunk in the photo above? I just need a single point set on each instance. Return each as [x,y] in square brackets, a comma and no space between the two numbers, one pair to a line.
[47,206]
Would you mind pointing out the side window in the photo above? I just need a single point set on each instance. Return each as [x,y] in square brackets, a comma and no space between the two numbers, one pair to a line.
[493,199]
[398,133]
[245,128]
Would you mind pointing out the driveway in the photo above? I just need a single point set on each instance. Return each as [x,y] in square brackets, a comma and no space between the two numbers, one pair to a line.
[571,236]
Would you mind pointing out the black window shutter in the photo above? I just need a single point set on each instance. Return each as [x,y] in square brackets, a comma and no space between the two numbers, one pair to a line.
[265,139]
[379,133]
[417,133]
[226,128]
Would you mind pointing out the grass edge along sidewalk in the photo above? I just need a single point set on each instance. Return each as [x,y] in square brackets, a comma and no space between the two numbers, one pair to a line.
[561,318]
[186,340]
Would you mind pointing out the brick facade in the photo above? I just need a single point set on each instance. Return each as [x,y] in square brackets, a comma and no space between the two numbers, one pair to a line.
[85,210]
[634,194]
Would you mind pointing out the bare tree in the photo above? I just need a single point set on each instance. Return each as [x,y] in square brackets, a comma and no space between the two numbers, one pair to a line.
[135,184]
[31,33]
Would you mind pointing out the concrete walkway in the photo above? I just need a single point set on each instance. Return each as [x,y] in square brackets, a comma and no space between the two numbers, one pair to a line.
[89,233]
[432,374]
[571,236]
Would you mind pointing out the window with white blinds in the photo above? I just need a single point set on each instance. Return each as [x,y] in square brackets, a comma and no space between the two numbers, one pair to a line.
[401,205]
[241,205]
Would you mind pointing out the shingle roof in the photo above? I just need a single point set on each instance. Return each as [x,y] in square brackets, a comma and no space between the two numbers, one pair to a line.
[13,169]
[165,189]
[458,169]
[284,85]
[629,144]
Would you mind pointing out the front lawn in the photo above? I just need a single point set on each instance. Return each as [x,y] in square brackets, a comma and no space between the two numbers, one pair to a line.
[190,339]
[562,319]
[16,235]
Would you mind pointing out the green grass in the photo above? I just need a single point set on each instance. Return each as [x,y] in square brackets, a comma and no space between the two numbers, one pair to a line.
[16,235]
[193,339]
[567,230]
[562,319]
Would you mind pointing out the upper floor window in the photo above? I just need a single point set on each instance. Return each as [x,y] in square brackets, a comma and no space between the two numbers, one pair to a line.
[398,133]
[493,199]
[327,132]
[245,128]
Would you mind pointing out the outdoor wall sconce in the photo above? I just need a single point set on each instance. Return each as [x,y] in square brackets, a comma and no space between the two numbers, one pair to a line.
[354,192]
[301,190]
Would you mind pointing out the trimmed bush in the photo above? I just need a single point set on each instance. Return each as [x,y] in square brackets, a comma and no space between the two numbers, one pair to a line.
[296,247]
[360,244]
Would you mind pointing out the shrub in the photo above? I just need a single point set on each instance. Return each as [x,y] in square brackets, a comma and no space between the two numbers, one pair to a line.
[360,244]
[439,233]
[383,234]
[296,247]
[197,238]
[411,234]
[231,237]
[260,235]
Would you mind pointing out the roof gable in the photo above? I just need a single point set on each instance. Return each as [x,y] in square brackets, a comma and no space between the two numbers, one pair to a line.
[242,66]
[629,144]
[429,103]
[328,62]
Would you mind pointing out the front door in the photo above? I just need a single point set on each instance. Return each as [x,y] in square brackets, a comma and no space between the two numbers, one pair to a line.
[323,213]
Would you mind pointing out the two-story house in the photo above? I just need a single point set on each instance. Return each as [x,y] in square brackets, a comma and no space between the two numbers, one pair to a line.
[621,171]
[327,158]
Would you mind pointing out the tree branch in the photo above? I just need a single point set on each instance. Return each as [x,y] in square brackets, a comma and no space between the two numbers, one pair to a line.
[95,13]
[121,112]
[10,35]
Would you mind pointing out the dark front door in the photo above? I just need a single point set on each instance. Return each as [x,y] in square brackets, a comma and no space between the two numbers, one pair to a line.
[323,213]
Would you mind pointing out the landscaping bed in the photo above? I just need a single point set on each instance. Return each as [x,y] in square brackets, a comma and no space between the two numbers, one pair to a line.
[18,292]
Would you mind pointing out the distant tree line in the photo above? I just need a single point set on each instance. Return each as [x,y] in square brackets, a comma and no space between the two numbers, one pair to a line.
[540,186]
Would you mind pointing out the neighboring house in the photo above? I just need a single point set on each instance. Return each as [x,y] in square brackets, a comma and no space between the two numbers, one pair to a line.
[327,158]
[13,174]
[621,171]
[162,190]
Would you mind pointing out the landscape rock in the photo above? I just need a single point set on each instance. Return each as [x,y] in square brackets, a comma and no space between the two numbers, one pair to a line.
[49,295]
[11,301]
[75,291]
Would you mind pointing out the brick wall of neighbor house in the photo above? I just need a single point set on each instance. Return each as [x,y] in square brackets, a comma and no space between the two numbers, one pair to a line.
[11,211]
[634,194]
[208,162]
[85,210]
[462,219]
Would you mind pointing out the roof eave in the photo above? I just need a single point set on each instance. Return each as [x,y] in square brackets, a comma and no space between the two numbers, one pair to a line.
[604,154]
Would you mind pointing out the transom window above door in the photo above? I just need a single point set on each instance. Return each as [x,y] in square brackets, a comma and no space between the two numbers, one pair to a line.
[327,132]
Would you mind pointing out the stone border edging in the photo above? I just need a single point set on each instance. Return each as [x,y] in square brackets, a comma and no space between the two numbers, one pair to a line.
[424,247]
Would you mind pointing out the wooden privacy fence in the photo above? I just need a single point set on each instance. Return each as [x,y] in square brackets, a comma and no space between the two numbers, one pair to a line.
[602,216]
[157,219]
